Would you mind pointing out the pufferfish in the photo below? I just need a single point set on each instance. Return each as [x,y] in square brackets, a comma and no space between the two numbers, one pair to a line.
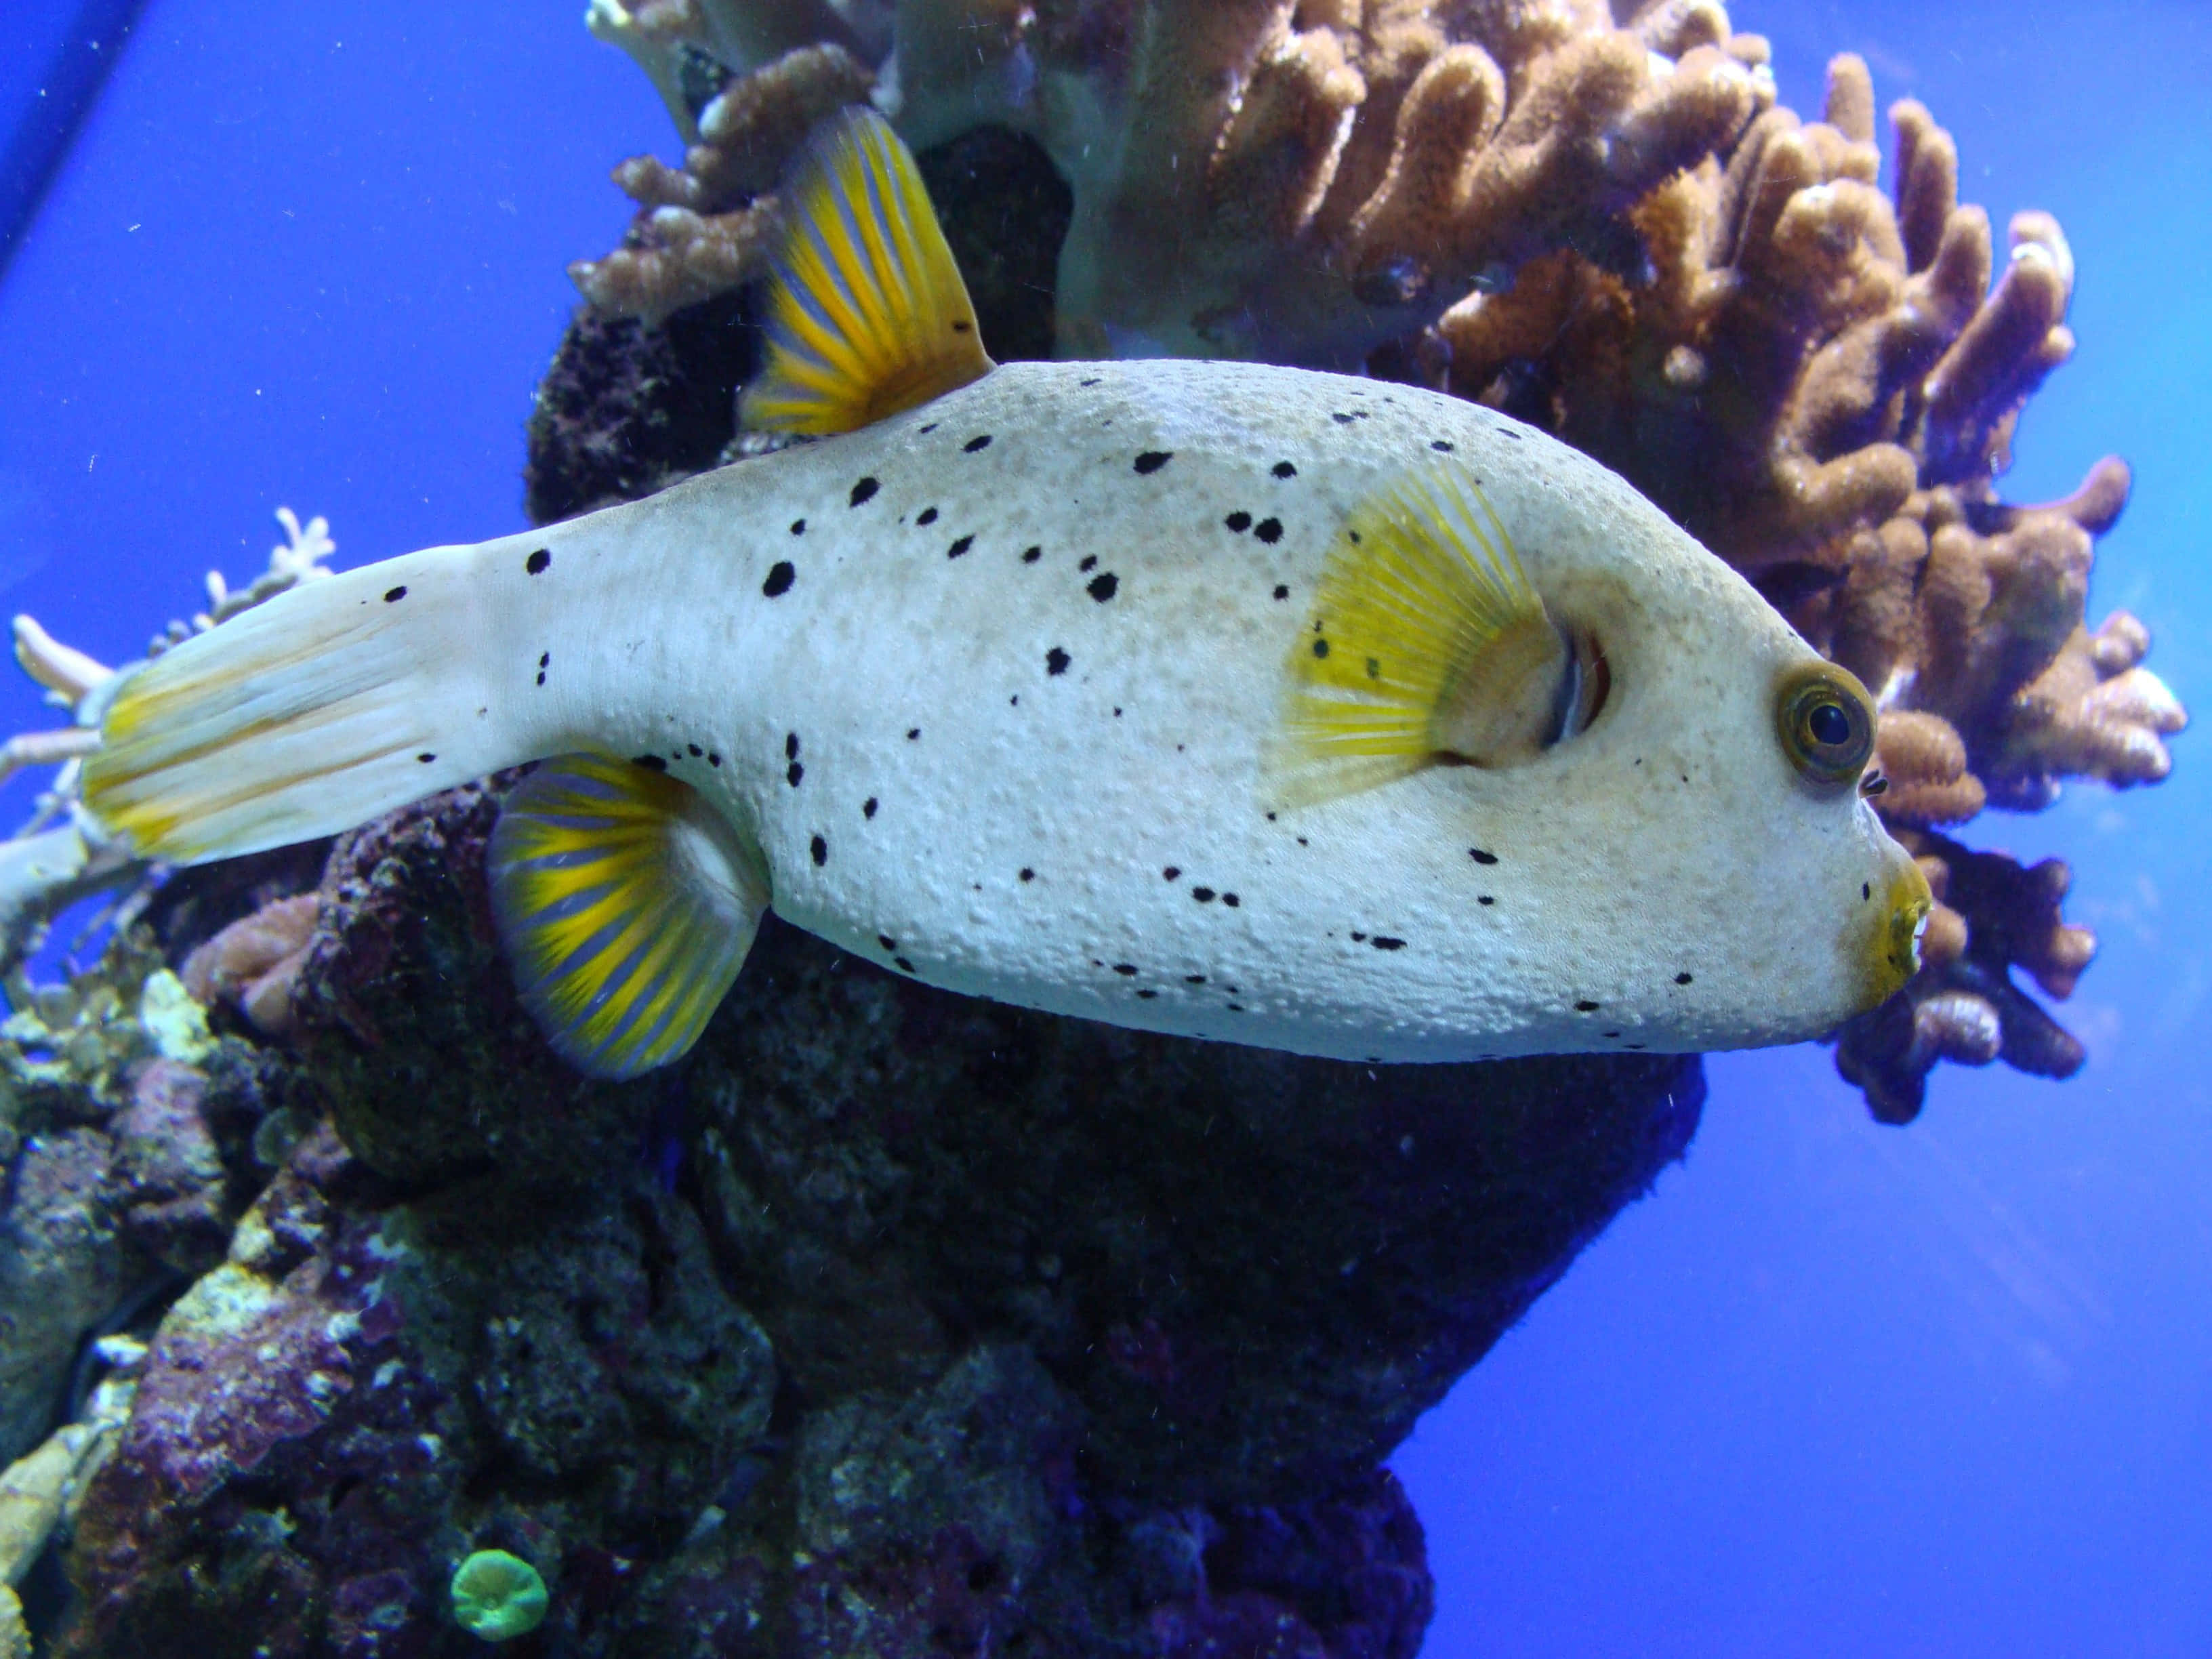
[1235,701]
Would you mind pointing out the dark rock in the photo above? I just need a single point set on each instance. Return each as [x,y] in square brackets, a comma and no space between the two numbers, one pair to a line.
[1005,212]
[62,1267]
[629,408]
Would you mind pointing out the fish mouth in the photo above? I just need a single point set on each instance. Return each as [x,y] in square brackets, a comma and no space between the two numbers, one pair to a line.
[1893,946]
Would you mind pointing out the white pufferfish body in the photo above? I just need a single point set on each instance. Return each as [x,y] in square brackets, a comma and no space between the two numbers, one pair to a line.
[992,690]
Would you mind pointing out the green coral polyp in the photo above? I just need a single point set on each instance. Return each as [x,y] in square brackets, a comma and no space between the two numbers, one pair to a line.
[498,1596]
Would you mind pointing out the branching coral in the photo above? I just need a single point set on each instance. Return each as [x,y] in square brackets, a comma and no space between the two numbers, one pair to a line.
[1256,178]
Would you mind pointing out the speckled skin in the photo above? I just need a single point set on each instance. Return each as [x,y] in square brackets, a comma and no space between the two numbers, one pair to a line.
[1040,776]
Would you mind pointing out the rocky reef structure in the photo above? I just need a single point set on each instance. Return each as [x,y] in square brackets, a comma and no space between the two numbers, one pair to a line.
[891,1322]
[1593,217]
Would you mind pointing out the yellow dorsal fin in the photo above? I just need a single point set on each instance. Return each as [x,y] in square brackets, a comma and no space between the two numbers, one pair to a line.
[1426,643]
[627,904]
[867,314]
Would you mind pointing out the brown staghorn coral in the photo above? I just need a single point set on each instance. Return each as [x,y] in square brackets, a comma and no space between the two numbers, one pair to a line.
[1296,182]
[1822,382]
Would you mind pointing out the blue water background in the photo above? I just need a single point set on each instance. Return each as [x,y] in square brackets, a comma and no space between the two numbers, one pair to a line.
[1835,1388]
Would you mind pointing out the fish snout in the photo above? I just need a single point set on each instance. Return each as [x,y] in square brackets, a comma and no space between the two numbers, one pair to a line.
[1890,953]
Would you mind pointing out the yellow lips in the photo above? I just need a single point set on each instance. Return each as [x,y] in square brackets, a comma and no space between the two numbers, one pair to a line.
[1892,950]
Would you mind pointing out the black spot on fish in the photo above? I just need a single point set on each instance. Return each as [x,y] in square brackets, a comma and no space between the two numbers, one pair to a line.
[1028,874]
[904,963]
[1342,419]
[1269,531]
[1586,1007]
[541,677]
[924,431]
[887,941]
[697,753]
[1203,895]
[1101,587]
[1240,522]
[393,595]
[538,562]
[981,441]
[1440,446]
[1359,938]
[928,515]
[818,849]
[1125,968]
[1682,979]
[1031,555]
[798,526]
[1611,1033]
[1321,648]
[712,759]
[1384,942]
[791,746]
[1507,432]
[1285,469]
[1147,994]
[780,575]
[1281,592]
[912,733]
[1093,380]
[959,547]
[862,491]
[650,762]
[1055,661]
[1230,900]
[1170,872]
[868,807]
[1481,857]
[1484,899]
[1194,978]
[1089,562]
[1236,1007]
[1866,891]
[792,773]
[960,325]
[1153,459]
[544,658]
[426,758]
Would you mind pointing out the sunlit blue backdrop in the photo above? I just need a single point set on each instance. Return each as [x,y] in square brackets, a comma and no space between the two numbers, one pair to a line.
[1834,1388]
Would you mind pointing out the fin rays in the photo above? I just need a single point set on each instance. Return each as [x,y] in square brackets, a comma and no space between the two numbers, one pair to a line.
[1426,640]
[867,315]
[627,905]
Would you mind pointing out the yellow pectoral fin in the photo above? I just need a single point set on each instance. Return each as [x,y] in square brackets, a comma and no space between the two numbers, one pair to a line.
[867,314]
[1426,642]
[627,904]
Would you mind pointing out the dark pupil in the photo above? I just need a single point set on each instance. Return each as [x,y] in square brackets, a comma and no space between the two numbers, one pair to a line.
[1831,727]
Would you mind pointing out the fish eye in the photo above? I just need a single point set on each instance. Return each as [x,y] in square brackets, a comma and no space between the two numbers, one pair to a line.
[1827,723]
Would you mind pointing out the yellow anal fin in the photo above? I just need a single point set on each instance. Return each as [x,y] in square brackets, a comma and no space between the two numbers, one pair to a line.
[867,314]
[1425,642]
[627,904]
